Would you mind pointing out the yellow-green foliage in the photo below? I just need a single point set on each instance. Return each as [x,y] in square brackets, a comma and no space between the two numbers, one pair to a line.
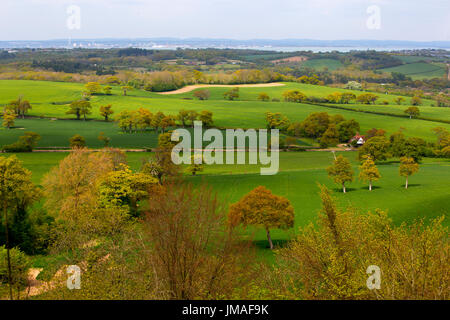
[341,171]
[368,171]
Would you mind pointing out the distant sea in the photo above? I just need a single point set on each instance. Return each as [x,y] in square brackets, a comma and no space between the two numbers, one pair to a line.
[287,45]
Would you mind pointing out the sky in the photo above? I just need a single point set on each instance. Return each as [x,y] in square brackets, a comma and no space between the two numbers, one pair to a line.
[415,20]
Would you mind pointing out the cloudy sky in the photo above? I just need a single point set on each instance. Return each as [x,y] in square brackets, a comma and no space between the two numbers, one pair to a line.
[236,19]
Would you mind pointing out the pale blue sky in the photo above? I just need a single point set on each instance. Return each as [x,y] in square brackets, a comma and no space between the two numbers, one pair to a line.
[237,19]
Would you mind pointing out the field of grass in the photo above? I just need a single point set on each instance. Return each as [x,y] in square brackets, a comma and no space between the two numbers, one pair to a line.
[320,64]
[419,70]
[245,113]
[297,180]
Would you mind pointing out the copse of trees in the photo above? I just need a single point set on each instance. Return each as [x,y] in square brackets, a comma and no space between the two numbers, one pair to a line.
[293,96]
[232,94]
[367,98]
[80,108]
[26,143]
[20,107]
[142,120]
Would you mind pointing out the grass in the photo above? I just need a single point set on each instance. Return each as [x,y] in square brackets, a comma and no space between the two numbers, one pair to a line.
[419,70]
[321,64]
[300,172]
[50,99]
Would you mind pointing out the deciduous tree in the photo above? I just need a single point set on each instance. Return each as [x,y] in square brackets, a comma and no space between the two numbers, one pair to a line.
[341,171]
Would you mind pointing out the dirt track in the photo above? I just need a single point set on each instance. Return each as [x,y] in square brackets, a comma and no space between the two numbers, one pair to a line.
[197,86]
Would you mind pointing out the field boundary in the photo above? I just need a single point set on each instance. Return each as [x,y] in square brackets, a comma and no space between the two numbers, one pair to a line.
[199,86]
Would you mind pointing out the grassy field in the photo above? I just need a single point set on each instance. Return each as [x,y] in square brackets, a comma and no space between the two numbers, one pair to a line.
[419,70]
[320,64]
[297,180]
[50,99]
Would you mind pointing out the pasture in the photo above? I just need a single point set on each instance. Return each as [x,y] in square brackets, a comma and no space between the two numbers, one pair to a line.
[51,99]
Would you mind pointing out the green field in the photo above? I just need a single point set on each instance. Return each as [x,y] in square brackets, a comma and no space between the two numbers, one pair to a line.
[419,70]
[321,64]
[50,99]
[297,180]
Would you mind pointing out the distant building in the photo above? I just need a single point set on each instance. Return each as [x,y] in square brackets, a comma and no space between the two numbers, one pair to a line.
[360,140]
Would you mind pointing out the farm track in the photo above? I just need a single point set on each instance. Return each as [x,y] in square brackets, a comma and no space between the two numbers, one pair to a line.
[198,86]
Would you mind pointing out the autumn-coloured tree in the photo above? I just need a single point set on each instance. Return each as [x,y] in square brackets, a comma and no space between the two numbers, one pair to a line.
[232,94]
[407,168]
[8,118]
[106,111]
[202,94]
[378,148]
[368,171]
[262,208]
[276,121]
[341,171]
[167,121]
[412,112]
[293,96]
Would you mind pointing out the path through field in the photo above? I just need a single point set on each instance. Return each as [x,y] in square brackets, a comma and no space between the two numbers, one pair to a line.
[197,86]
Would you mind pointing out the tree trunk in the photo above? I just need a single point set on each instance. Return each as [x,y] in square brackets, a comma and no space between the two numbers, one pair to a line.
[8,257]
[406,184]
[270,239]
[370,185]
[343,188]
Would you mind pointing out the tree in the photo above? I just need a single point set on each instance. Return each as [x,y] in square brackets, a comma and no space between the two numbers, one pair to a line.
[183,116]
[106,111]
[262,208]
[416,101]
[80,108]
[77,141]
[202,94]
[407,168]
[20,106]
[16,188]
[341,171]
[195,167]
[399,100]
[125,89]
[367,98]
[192,116]
[315,124]
[412,112]
[347,129]
[106,140]
[232,94]
[263,96]
[353,85]
[8,118]
[107,90]
[293,96]
[375,132]
[156,120]
[334,252]
[93,87]
[19,263]
[368,171]
[167,121]
[376,147]
[123,189]
[206,117]
[330,137]
[276,121]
